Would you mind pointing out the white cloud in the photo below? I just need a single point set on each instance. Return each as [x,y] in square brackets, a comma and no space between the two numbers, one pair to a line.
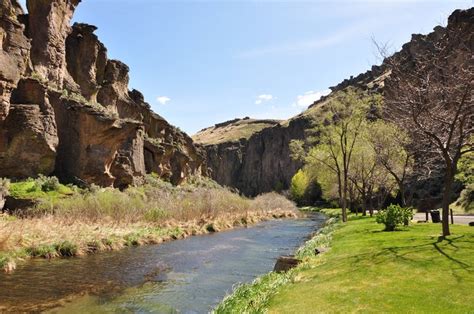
[311,45]
[163,99]
[264,98]
[308,98]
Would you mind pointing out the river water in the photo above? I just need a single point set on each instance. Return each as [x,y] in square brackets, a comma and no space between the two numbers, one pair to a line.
[183,276]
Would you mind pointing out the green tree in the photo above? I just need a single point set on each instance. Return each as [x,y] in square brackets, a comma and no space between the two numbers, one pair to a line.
[367,175]
[299,184]
[346,118]
[389,144]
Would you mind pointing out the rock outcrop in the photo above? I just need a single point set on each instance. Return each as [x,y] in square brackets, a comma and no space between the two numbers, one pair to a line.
[14,53]
[262,162]
[65,108]
[48,27]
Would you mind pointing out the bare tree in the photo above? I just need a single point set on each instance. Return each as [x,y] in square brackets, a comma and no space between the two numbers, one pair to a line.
[429,94]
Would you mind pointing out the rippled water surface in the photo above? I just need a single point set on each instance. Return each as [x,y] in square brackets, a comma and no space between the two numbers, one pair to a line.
[187,276]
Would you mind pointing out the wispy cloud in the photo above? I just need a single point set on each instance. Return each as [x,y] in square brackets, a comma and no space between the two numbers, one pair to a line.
[163,100]
[264,98]
[311,45]
[276,112]
[308,98]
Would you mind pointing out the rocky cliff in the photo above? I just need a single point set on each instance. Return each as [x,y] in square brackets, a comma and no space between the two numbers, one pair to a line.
[261,162]
[65,108]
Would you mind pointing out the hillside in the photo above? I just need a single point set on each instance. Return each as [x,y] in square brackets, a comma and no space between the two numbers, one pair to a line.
[232,131]
[262,162]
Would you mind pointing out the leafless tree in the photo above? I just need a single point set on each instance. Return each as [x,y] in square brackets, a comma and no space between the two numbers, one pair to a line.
[429,94]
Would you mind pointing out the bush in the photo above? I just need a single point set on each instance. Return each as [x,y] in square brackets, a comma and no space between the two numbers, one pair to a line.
[4,186]
[393,216]
[408,215]
[47,184]
[298,186]
[466,199]
[304,190]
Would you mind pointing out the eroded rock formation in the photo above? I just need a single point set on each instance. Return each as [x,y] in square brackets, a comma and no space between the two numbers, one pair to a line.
[14,53]
[66,109]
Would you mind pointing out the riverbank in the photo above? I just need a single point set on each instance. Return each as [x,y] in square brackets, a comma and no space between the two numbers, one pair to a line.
[255,297]
[87,222]
[188,275]
[409,270]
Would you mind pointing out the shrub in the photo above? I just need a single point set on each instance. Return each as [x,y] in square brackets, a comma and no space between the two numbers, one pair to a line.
[201,182]
[43,250]
[298,186]
[393,216]
[408,215]
[304,189]
[47,184]
[155,214]
[66,249]
[466,199]
[4,186]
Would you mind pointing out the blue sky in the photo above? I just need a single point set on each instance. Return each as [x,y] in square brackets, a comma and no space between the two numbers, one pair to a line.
[202,62]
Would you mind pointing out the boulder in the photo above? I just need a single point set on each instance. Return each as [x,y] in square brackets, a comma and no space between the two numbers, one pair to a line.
[320,250]
[285,263]
[18,206]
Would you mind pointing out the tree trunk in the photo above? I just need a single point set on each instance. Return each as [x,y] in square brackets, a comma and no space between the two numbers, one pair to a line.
[448,183]
[402,195]
[344,209]
[364,204]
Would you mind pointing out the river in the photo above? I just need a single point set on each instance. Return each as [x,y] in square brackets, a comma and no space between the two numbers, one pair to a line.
[183,276]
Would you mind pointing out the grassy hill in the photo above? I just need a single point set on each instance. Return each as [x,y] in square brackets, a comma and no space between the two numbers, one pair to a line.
[232,131]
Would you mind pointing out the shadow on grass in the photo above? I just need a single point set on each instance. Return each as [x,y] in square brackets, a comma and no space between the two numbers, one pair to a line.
[414,254]
[396,230]
[451,243]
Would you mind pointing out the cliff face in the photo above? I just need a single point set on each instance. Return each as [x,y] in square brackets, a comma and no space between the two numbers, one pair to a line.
[261,162]
[257,164]
[65,108]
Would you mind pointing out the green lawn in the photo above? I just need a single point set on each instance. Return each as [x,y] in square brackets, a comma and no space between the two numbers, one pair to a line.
[367,270]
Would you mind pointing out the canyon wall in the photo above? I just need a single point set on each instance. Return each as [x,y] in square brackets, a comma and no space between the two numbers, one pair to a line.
[65,108]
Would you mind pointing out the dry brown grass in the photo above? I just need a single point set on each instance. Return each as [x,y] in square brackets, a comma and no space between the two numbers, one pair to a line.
[108,219]
[231,132]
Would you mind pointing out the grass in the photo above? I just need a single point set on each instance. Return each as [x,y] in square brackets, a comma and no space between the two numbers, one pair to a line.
[330,212]
[366,270]
[87,221]
[30,189]
[242,129]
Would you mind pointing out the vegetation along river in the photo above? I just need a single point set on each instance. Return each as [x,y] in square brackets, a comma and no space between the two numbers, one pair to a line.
[186,276]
